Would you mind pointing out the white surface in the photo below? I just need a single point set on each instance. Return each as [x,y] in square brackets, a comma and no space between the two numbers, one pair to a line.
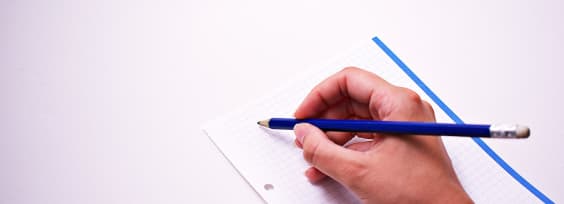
[102,100]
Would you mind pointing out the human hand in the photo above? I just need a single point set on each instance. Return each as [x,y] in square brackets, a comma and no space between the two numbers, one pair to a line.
[388,168]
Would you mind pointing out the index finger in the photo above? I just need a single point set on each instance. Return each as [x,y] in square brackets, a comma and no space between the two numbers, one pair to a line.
[350,83]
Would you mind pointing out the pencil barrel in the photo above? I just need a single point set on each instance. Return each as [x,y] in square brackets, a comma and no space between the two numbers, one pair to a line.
[391,127]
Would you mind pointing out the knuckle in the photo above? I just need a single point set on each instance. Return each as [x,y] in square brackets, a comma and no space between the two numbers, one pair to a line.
[350,69]
[410,94]
[428,106]
[429,109]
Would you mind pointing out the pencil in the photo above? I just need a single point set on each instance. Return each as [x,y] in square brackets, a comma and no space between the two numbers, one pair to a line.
[404,127]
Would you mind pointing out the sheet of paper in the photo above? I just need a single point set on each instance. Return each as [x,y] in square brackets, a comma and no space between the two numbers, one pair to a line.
[270,162]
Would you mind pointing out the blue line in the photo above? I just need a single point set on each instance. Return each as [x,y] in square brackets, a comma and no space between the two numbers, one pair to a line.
[457,119]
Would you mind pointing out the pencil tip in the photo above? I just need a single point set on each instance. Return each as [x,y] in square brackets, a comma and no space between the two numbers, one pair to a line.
[263,123]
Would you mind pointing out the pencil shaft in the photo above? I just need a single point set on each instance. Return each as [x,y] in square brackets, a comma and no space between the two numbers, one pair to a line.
[393,127]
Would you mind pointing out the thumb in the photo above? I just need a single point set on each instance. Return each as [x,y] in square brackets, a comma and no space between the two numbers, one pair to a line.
[335,161]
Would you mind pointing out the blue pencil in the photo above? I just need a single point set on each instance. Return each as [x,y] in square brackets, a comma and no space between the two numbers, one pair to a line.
[404,127]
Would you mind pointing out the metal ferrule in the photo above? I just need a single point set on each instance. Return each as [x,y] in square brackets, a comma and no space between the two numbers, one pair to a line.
[503,131]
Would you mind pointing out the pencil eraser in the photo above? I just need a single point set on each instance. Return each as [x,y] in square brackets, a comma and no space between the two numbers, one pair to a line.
[522,131]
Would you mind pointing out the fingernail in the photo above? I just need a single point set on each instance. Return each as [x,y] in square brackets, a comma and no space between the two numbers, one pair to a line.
[301,130]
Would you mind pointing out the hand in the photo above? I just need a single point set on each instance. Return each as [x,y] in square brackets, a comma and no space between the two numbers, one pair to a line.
[388,168]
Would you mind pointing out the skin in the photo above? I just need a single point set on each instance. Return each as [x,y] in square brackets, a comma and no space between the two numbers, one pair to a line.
[387,168]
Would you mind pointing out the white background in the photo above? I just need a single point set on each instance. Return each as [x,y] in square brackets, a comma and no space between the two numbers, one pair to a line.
[102,101]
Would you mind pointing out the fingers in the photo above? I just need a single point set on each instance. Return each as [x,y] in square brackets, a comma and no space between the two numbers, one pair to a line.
[355,93]
[329,158]
[314,175]
[406,105]
[345,108]
[352,84]
[339,138]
